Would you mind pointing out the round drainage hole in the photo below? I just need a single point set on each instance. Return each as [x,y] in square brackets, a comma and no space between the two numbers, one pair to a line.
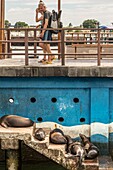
[11,100]
[33,100]
[39,119]
[76,100]
[61,119]
[82,120]
[54,100]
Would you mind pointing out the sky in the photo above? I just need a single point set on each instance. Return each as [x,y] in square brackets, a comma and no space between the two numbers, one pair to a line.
[73,11]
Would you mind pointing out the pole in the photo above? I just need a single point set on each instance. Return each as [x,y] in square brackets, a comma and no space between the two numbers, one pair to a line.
[59,5]
[62,47]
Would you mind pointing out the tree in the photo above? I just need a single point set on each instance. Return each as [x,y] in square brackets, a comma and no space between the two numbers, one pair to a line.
[7,24]
[20,24]
[70,25]
[90,23]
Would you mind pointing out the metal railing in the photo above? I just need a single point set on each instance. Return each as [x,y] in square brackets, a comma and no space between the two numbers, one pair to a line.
[77,38]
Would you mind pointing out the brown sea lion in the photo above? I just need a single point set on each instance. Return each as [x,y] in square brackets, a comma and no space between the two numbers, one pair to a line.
[69,142]
[40,134]
[75,149]
[91,150]
[15,121]
[57,136]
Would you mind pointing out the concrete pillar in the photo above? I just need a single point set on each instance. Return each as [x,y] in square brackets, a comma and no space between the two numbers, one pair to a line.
[12,158]
[12,149]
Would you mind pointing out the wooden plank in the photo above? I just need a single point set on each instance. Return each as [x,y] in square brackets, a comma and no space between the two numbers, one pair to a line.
[92,45]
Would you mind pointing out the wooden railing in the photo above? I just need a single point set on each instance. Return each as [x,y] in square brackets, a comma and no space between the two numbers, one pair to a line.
[80,38]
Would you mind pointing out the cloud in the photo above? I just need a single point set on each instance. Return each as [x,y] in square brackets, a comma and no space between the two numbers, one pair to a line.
[18,10]
[74,12]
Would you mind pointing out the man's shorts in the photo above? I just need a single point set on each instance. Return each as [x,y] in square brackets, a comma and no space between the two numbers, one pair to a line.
[47,36]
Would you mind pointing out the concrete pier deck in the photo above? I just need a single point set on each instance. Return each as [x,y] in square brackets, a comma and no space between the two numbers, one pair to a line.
[73,68]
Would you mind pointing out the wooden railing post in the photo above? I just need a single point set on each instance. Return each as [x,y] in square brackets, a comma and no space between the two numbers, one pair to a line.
[59,34]
[98,48]
[62,47]
[35,45]
[8,44]
[26,47]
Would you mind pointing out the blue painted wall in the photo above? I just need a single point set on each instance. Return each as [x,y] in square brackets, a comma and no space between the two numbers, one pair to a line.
[66,101]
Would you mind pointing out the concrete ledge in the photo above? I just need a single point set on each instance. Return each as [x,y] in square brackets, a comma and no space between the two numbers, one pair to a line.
[9,144]
[90,164]
[62,71]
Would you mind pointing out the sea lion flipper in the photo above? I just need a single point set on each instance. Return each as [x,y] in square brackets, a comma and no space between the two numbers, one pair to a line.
[3,124]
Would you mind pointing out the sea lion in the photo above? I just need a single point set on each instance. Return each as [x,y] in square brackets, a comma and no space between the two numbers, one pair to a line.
[40,134]
[57,136]
[15,121]
[75,149]
[69,142]
[91,150]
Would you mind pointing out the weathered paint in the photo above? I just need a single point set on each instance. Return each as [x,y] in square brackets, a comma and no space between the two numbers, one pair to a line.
[77,105]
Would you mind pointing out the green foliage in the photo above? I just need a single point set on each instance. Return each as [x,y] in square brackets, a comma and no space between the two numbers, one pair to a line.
[7,24]
[20,24]
[70,25]
[90,23]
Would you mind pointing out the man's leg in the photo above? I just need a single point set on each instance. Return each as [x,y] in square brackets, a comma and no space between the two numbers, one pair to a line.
[42,45]
[46,46]
[49,51]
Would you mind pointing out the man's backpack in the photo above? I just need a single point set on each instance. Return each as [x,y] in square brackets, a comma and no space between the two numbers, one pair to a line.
[55,21]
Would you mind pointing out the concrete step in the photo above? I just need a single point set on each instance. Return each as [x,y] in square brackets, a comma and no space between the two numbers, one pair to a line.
[56,150]
[90,164]
[60,147]
[105,163]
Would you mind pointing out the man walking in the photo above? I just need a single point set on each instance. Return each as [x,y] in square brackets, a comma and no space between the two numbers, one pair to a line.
[46,35]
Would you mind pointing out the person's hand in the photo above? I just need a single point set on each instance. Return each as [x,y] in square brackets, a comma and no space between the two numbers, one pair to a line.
[38,26]
[37,10]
